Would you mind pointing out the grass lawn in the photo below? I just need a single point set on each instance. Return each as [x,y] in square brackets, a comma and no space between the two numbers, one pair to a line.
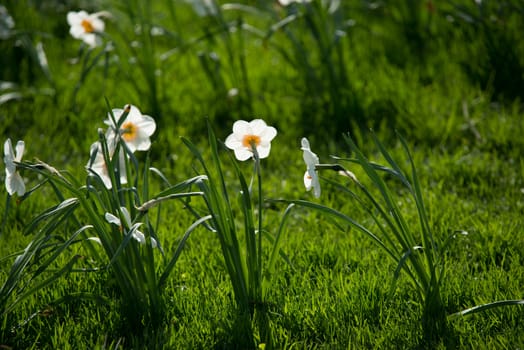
[448,77]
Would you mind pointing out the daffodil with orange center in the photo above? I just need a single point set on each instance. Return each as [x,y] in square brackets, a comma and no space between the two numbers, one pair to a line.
[135,130]
[86,27]
[250,136]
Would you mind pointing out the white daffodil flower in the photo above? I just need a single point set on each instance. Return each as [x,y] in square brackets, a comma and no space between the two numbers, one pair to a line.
[310,177]
[86,27]
[99,165]
[248,136]
[135,130]
[13,181]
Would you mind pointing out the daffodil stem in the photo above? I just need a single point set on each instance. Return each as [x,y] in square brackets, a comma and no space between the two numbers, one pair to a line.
[7,202]
[259,248]
[259,277]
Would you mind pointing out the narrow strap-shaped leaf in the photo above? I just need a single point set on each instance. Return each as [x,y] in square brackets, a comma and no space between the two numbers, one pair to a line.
[278,241]
[484,307]
[60,249]
[335,213]
[55,211]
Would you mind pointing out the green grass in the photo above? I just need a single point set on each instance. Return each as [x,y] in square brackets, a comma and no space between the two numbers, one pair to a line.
[464,130]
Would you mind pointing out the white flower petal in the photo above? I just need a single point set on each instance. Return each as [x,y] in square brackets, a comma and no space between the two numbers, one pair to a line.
[310,158]
[112,219]
[91,39]
[308,180]
[97,23]
[147,125]
[142,144]
[233,142]
[8,150]
[241,127]
[15,184]
[268,134]
[134,114]
[305,144]
[117,113]
[243,154]
[137,235]
[20,146]
[258,126]
[316,185]
[75,18]
[263,151]
[77,32]
[311,179]
[13,181]
[9,157]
